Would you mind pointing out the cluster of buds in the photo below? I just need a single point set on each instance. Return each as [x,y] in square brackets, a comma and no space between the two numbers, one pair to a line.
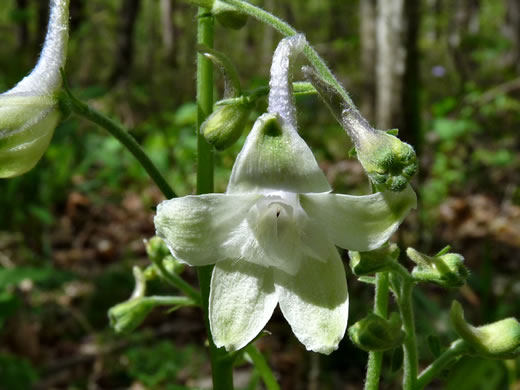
[444,269]
[389,162]
[375,333]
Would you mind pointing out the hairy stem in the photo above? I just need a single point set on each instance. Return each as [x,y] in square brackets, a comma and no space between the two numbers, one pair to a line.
[121,134]
[456,349]
[287,30]
[404,301]
[177,282]
[375,358]
[221,362]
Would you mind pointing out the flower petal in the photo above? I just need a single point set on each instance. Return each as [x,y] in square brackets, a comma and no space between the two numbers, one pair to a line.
[27,124]
[276,158]
[204,229]
[315,302]
[360,223]
[242,299]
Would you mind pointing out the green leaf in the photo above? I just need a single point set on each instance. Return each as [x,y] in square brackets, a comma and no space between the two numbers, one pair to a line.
[16,373]
[44,276]
[434,344]
[477,374]
[397,360]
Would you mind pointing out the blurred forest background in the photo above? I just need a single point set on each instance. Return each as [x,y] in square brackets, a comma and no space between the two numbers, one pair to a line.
[446,73]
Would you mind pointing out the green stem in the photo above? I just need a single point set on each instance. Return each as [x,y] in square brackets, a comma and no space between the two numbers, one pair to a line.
[173,301]
[262,367]
[221,60]
[221,361]
[375,359]
[121,134]
[457,349]
[177,282]
[404,301]
[287,30]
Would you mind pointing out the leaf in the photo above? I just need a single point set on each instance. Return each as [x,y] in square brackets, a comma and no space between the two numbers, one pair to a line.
[367,279]
[477,374]
[46,276]
[434,344]
[397,360]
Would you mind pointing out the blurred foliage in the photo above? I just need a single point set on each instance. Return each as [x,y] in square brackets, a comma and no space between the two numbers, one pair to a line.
[71,229]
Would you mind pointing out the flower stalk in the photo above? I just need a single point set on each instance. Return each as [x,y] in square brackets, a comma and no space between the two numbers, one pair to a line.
[120,133]
[458,348]
[221,362]
[375,358]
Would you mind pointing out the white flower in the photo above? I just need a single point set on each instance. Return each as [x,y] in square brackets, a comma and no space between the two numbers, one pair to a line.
[272,234]
[29,112]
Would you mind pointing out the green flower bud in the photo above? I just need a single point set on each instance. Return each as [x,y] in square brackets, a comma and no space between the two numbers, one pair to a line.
[444,269]
[158,252]
[374,333]
[225,125]
[127,316]
[173,266]
[30,112]
[499,340]
[228,16]
[381,259]
[27,124]
[156,249]
[389,162]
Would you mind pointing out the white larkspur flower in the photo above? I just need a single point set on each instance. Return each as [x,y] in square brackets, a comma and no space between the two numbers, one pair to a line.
[29,112]
[272,234]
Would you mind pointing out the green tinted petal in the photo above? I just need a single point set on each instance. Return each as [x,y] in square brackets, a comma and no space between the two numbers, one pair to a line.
[315,302]
[276,158]
[242,299]
[204,229]
[27,124]
[359,223]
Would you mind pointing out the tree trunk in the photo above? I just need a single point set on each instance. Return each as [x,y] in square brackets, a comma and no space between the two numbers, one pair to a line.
[125,41]
[368,57]
[391,56]
[167,30]
[513,23]
[410,123]
[465,21]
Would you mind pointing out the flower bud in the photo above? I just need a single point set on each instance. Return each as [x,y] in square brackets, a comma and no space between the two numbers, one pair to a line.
[447,269]
[498,340]
[156,249]
[389,162]
[228,16]
[29,112]
[374,333]
[381,259]
[127,316]
[173,266]
[225,125]
[158,252]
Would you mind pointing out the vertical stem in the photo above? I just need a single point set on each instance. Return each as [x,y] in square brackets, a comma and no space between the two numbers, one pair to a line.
[375,359]
[221,362]
[404,301]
